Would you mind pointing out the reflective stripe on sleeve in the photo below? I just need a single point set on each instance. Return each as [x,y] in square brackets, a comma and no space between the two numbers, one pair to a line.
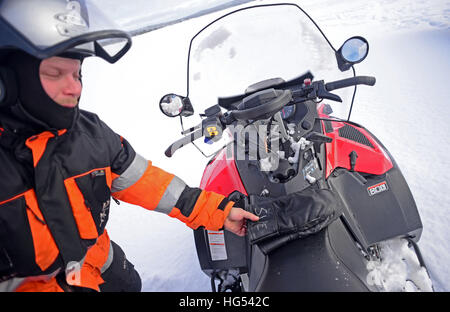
[130,176]
[108,262]
[14,283]
[11,284]
[171,195]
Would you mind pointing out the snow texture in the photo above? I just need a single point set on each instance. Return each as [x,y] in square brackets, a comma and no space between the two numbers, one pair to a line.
[407,110]
[399,269]
[144,15]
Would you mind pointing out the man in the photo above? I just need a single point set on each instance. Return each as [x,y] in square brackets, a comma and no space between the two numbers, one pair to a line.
[60,165]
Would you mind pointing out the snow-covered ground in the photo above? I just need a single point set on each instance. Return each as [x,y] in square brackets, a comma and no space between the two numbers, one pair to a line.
[407,110]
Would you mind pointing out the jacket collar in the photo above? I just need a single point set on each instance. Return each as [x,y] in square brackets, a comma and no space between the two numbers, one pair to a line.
[18,124]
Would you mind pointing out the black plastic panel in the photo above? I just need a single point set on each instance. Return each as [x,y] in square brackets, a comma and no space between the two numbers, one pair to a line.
[375,217]
[235,248]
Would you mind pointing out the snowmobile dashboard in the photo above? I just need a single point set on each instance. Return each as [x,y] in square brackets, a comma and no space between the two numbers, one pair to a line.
[231,103]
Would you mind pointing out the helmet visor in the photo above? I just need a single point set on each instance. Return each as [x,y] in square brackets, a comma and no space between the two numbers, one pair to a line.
[47,28]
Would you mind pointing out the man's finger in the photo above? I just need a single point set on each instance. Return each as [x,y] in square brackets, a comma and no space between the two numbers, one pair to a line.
[251,216]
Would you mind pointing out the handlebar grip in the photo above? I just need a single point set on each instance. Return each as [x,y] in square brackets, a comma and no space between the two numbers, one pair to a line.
[183,142]
[365,80]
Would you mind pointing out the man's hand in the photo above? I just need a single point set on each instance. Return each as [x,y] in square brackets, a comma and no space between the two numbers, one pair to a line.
[235,222]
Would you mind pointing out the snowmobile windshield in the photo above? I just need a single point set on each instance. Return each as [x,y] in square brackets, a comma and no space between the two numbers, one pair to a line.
[50,27]
[255,44]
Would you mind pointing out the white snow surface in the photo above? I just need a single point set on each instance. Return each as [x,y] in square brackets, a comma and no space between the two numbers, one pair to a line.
[408,110]
[399,269]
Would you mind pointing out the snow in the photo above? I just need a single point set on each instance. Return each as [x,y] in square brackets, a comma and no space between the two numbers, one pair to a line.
[398,268]
[407,110]
[144,14]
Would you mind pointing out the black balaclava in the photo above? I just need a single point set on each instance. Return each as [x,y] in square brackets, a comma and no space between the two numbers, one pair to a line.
[32,96]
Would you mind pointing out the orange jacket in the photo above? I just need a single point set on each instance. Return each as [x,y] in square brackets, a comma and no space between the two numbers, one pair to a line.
[54,219]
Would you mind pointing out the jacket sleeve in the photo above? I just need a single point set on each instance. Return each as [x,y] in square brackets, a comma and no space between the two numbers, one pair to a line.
[137,181]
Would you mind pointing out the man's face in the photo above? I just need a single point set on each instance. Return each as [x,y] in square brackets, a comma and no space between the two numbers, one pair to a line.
[60,78]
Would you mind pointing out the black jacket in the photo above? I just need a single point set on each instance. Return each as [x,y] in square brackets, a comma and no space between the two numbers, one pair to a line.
[47,164]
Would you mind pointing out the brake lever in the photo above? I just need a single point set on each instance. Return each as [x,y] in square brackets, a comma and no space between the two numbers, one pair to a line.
[211,128]
[322,93]
[316,90]
[183,142]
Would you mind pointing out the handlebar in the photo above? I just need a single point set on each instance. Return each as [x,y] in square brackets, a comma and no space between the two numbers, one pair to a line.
[272,101]
[365,80]
[182,142]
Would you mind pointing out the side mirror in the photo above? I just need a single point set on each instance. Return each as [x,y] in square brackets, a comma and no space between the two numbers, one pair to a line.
[353,51]
[173,105]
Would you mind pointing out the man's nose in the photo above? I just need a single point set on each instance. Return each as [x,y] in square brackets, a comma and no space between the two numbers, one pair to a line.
[72,86]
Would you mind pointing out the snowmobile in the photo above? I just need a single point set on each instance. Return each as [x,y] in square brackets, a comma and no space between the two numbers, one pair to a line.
[281,136]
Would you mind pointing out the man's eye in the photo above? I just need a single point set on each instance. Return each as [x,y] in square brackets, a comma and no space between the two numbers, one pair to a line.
[51,74]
